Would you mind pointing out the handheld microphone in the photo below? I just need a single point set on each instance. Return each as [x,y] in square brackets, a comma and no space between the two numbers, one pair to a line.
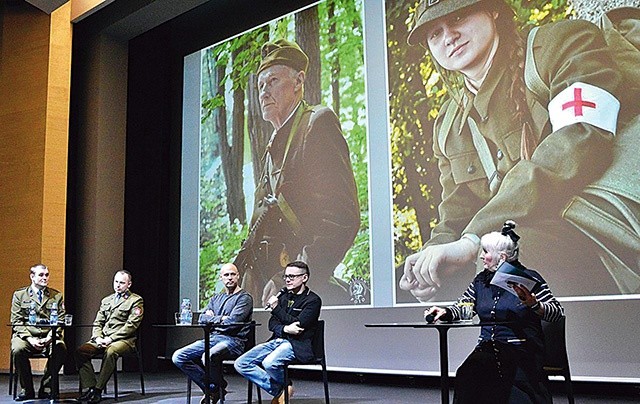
[429,318]
[277,295]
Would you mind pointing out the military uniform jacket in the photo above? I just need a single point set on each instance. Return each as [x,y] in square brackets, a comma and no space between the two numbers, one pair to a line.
[317,182]
[20,305]
[119,321]
[564,161]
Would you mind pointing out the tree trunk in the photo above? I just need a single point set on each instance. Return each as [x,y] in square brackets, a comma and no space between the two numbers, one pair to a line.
[231,155]
[259,129]
[308,37]
[335,61]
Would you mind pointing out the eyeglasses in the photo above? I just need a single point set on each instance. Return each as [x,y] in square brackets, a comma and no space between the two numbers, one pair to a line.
[291,276]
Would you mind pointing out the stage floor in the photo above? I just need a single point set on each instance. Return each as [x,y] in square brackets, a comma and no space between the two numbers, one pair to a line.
[170,387]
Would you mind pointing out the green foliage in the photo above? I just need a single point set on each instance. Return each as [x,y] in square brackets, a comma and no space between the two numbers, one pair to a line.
[221,239]
[417,93]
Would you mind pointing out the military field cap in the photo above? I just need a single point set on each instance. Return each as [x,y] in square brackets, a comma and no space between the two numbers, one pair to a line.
[283,52]
[430,10]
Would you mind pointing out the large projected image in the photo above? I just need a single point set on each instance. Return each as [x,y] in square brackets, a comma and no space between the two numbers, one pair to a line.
[471,152]
[283,156]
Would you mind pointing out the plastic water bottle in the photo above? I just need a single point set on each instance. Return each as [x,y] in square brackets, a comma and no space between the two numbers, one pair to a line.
[186,315]
[53,315]
[32,314]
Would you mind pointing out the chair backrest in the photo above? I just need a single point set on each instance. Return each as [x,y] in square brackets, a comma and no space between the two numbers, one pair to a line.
[317,342]
[555,345]
[251,337]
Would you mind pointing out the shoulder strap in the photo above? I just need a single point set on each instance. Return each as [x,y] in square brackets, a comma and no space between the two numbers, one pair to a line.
[532,78]
[447,123]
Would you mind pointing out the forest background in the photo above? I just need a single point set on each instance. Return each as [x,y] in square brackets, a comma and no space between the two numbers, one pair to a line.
[233,133]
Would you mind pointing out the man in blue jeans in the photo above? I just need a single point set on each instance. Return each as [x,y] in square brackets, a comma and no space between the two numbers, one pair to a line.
[234,305]
[294,318]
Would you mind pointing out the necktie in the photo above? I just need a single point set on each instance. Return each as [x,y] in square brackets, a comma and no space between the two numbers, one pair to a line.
[117,297]
[40,295]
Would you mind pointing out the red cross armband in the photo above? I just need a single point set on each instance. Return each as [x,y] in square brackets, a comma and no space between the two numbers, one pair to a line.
[582,102]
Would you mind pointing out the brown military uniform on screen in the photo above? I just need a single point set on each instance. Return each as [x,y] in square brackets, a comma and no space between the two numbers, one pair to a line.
[533,192]
[318,185]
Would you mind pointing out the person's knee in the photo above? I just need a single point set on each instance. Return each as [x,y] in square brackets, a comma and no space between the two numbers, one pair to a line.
[112,353]
[270,364]
[176,358]
[241,365]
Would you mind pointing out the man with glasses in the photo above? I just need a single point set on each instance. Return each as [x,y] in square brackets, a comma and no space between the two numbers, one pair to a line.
[233,305]
[29,339]
[294,317]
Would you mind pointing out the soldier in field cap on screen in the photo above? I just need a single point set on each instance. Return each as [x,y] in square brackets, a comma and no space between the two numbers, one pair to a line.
[527,150]
[306,206]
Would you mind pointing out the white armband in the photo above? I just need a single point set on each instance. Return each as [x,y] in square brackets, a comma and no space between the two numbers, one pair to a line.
[472,237]
[582,102]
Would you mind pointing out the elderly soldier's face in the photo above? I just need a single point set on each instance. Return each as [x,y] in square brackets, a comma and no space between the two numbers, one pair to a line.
[40,277]
[462,41]
[280,91]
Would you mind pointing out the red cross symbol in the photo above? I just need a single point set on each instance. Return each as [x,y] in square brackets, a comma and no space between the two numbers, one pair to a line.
[578,102]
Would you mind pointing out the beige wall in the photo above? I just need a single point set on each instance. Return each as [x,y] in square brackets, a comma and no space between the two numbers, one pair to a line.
[100,172]
[34,114]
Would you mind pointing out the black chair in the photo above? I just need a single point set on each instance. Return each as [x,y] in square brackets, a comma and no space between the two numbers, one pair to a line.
[13,374]
[251,342]
[137,353]
[319,359]
[556,361]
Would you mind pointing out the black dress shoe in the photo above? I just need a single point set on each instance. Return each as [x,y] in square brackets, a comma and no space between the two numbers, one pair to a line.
[86,395]
[96,396]
[26,395]
[44,395]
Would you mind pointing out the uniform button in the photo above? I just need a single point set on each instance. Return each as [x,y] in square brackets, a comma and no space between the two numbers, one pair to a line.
[471,169]
[279,220]
[499,154]
[260,203]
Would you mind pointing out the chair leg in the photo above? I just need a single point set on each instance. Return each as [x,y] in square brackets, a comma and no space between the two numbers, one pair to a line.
[188,390]
[569,387]
[14,381]
[286,385]
[325,380]
[115,384]
[10,373]
[249,392]
[141,370]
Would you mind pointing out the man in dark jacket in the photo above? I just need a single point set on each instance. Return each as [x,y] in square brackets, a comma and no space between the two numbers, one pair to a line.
[306,204]
[294,318]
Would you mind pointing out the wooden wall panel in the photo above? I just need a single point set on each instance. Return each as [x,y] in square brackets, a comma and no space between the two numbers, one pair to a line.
[34,116]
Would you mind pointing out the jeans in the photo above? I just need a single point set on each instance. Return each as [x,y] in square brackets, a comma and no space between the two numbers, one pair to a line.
[264,364]
[190,359]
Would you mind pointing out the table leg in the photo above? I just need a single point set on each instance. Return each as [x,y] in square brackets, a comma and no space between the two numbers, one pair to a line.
[207,364]
[444,365]
[54,375]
